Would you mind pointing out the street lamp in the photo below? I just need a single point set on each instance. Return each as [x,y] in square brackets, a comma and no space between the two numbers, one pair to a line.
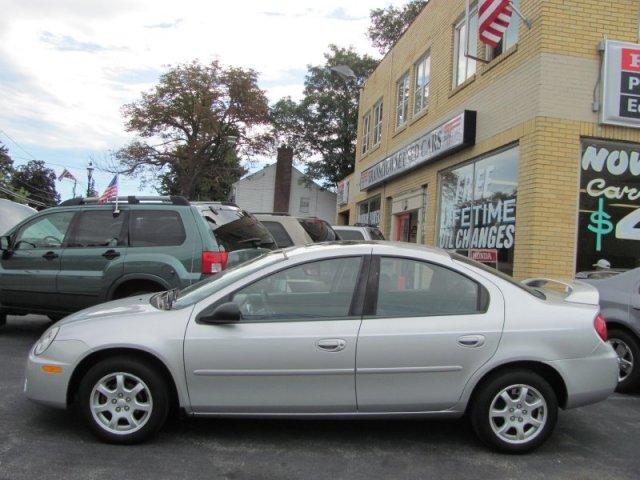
[90,169]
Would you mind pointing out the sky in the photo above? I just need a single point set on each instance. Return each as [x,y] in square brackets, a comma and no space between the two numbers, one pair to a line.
[68,66]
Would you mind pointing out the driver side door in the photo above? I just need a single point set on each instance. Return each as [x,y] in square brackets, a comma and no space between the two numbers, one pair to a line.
[28,277]
[293,351]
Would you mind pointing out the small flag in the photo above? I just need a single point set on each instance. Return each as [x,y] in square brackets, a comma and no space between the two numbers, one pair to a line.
[110,191]
[494,18]
[66,174]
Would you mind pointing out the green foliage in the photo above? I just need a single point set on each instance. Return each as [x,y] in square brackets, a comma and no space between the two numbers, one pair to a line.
[388,24]
[322,127]
[186,125]
[6,173]
[38,181]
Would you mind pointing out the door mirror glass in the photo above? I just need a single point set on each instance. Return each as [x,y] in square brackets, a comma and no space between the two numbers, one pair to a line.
[226,313]
[4,243]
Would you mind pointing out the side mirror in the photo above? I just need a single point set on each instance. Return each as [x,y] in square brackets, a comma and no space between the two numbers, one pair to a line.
[4,243]
[226,313]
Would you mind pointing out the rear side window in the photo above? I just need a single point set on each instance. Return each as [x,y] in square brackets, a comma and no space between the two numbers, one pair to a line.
[318,230]
[236,229]
[350,235]
[98,228]
[155,228]
[279,234]
[375,233]
[410,288]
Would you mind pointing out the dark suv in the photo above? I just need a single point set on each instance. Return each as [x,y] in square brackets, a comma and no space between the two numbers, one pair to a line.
[82,253]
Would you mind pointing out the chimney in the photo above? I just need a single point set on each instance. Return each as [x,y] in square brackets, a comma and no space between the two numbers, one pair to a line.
[282,191]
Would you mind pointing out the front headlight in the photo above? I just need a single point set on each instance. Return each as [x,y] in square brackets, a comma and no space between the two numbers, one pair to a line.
[45,341]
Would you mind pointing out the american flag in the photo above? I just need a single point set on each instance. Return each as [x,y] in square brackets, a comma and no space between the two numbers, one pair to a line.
[110,191]
[66,174]
[494,19]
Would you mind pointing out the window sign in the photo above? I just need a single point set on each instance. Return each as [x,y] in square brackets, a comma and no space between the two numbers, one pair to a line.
[609,224]
[369,212]
[621,84]
[478,209]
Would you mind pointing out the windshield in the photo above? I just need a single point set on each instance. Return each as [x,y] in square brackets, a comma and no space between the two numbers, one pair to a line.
[350,234]
[462,259]
[205,288]
[236,229]
[318,230]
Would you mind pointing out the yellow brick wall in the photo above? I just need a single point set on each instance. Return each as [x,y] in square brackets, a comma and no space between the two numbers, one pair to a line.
[537,94]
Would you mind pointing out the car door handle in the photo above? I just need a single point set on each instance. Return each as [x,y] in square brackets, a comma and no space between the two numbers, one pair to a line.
[50,256]
[111,254]
[471,340]
[331,344]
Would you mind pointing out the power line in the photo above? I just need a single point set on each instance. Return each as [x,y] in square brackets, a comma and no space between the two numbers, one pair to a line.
[8,191]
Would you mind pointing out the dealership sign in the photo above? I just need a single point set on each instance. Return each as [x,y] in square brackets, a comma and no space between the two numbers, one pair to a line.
[621,84]
[609,226]
[451,136]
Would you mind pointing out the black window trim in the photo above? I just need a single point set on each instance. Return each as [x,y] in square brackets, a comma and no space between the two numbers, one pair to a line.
[371,301]
[355,307]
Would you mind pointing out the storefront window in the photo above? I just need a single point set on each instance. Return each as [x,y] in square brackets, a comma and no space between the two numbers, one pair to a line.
[609,222]
[478,209]
[369,212]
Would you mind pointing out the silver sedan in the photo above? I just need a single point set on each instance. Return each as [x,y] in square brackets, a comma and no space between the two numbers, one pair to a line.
[335,330]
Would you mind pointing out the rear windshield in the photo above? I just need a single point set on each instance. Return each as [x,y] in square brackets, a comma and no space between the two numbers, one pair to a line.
[280,235]
[350,235]
[318,230]
[236,229]
[375,233]
[462,259]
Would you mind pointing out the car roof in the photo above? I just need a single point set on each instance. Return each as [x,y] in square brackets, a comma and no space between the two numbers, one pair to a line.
[349,227]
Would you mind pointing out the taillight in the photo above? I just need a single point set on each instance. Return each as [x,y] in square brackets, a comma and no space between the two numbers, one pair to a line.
[601,327]
[214,262]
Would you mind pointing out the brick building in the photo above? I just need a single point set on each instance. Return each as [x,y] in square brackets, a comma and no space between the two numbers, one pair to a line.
[530,161]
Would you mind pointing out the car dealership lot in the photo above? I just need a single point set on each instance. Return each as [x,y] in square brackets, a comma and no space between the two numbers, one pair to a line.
[599,442]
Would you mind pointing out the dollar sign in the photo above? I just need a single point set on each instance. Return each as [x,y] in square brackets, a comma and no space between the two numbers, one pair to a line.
[600,224]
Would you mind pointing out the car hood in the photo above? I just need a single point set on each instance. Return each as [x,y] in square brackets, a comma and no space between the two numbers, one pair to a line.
[137,305]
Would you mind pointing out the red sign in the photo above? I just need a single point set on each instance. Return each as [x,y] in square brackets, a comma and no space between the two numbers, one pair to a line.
[631,59]
[484,256]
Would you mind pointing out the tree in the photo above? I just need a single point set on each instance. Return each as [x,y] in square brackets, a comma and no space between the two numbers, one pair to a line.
[388,24]
[6,169]
[322,127]
[194,127]
[38,181]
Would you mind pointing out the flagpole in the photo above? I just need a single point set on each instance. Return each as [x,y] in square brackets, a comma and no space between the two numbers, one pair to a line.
[526,21]
[116,211]
[75,183]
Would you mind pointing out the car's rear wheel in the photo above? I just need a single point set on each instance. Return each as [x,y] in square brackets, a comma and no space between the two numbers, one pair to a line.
[124,400]
[628,350]
[514,412]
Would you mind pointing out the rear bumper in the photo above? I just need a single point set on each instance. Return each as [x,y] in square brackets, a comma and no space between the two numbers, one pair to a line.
[51,388]
[590,379]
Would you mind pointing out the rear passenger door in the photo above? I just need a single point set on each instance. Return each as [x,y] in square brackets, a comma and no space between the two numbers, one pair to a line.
[93,258]
[427,330]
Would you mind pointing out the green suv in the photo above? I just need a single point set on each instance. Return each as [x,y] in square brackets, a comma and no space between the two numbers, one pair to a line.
[82,253]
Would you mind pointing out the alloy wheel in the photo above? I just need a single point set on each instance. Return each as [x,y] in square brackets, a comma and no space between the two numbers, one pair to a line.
[518,414]
[121,403]
[625,358]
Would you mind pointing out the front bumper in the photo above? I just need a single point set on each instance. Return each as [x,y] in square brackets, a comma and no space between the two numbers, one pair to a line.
[590,379]
[51,388]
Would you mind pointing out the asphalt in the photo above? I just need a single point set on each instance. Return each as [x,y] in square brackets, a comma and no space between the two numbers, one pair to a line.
[596,442]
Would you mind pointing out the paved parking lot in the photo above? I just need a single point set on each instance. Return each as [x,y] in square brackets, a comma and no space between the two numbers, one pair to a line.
[598,442]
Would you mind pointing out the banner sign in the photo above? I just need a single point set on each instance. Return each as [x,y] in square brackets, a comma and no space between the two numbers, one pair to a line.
[609,226]
[484,256]
[453,135]
[343,192]
[621,84]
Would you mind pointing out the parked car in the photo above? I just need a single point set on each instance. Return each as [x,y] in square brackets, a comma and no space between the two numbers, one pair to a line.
[12,213]
[288,231]
[437,335]
[67,258]
[236,230]
[358,232]
[620,304]
[599,274]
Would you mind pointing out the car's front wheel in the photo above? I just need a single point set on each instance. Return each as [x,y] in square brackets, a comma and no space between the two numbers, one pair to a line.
[514,412]
[124,400]
[628,350]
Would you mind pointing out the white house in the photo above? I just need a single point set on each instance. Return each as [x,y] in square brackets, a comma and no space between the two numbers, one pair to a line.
[282,188]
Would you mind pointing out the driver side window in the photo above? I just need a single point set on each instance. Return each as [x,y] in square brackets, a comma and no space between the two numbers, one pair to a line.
[315,290]
[45,232]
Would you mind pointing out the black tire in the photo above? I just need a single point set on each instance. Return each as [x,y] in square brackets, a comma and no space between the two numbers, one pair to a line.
[159,392]
[3,319]
[632,382]
[488,391]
